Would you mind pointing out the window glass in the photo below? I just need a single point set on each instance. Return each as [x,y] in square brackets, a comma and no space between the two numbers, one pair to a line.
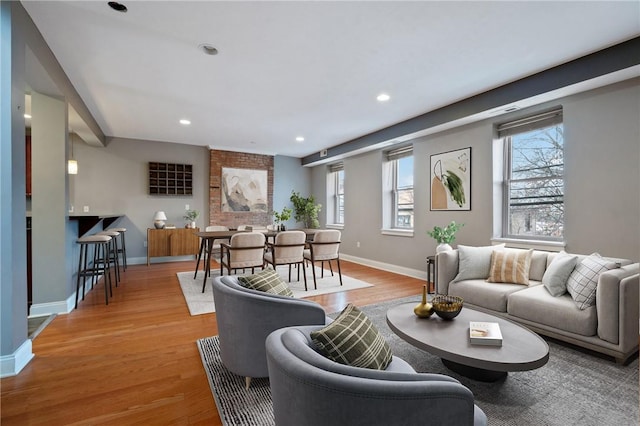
[534,183]
[339,181]
[403,193]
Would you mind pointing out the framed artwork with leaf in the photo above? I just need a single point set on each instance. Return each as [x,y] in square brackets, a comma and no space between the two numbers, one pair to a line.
[451,180]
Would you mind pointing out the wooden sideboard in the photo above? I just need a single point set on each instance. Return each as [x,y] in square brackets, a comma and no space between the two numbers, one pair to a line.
[172,242]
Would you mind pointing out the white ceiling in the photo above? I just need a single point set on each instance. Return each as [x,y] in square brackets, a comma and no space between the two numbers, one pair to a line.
[311,69]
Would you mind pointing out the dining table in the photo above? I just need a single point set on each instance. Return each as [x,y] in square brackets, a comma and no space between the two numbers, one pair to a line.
[207,239]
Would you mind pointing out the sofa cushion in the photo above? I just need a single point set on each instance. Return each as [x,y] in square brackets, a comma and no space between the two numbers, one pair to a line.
[510,266]
[268,281]
[352,339]
[538,265]
[474,262]
[486,295]
[537,305]
[556,275]
[583,281]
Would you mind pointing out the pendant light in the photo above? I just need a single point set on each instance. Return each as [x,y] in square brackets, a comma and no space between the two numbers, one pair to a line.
[72,165]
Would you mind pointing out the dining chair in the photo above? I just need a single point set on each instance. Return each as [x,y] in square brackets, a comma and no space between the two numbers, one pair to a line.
[203,247]
[324,247]
[288,249]
[245,250]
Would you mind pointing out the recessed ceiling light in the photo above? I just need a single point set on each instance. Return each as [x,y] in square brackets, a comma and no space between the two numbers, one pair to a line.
[208,49]
[299,139]
[117,6]
[27,116]
[383,97]
[185,122]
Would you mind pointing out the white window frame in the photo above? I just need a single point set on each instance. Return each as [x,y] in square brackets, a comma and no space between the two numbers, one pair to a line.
[506,132]
[391,192]
[335,198]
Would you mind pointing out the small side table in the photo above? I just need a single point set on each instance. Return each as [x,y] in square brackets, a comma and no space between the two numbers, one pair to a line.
[431,274]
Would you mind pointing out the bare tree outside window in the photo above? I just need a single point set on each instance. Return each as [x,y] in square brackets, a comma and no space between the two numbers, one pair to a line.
[535,184]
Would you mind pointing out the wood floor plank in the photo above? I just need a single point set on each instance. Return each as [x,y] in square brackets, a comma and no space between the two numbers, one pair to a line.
[135,361]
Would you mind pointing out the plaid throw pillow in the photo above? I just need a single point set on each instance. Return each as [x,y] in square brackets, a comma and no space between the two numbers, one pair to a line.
[510,266]
[352,339]
[268,281]
[583,281]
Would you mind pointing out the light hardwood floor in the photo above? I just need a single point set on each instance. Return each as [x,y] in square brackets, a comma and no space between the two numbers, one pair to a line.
[135,361]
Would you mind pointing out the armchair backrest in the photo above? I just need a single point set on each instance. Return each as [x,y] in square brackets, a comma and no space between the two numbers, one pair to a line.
[212,228]
[326,243]
[289,247]
[246,247]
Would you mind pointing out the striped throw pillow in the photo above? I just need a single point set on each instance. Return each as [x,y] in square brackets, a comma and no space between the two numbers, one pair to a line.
[268,281]
[510,266]
[352,339]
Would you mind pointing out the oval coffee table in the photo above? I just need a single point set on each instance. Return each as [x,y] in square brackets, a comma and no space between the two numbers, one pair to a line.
[521,348]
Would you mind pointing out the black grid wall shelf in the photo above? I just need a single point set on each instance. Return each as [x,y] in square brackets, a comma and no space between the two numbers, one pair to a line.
[170,179]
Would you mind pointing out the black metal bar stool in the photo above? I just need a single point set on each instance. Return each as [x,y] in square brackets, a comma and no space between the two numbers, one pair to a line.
[123,246]
[112,254]
[94,268]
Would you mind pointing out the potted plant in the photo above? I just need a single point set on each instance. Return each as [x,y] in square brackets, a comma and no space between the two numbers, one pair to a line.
[190,216]
[445,236]
[282,217]
[306,210]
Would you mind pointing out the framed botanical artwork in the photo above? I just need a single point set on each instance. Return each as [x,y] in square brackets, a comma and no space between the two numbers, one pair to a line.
[451,180]
[244,190]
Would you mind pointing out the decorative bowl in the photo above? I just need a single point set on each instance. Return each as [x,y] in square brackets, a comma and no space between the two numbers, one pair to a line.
[447,307]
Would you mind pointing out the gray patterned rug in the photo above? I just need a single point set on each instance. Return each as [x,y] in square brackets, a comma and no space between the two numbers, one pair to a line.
[574,388]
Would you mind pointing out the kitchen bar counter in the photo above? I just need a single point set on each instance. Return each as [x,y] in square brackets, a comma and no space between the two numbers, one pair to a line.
[86,221]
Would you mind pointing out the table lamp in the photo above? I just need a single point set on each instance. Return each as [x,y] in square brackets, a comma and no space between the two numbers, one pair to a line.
[158,220]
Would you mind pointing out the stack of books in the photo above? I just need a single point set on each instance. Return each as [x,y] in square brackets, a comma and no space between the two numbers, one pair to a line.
[485,333]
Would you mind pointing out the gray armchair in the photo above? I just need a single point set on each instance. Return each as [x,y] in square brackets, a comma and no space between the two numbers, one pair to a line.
[309,389]
[245,318]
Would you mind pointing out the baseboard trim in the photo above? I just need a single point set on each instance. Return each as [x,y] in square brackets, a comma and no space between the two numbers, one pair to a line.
[59,307]
[414,273]
[143,260]
[11,365]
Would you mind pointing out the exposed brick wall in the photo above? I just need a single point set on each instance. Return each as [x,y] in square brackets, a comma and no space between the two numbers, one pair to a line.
[238,160]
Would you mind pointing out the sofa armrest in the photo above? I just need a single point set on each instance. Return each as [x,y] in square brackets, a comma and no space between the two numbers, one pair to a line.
[617,306]
[446,270]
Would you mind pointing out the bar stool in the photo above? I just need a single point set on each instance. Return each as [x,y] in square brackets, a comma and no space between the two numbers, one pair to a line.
[123,246]
[100,244]
[112,254]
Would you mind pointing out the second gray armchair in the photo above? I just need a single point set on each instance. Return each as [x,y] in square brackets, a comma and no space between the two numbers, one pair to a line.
[309,389]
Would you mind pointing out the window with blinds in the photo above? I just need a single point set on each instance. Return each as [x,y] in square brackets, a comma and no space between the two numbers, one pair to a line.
[533,184]
[336,172]
[401,191]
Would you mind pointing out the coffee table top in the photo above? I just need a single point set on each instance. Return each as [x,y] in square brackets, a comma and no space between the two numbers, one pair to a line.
[521,348]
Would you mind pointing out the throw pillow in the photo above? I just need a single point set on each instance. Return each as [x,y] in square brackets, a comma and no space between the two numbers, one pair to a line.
[583,281]
[352,339]
[510,266]
[557,273]
[474,262]
[268,281]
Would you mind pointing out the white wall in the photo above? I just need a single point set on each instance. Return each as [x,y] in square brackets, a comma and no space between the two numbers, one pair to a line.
[602,197]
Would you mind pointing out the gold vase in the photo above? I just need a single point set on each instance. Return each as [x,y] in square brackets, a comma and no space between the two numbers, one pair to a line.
[424,309]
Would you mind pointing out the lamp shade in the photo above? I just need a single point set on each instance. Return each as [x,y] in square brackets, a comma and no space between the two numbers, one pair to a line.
[160,216]
[72,167]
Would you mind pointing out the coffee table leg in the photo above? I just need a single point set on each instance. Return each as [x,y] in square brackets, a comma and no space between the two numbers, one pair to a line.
[479,374]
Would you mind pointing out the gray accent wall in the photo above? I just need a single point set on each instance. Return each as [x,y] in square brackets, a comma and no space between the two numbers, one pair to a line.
[602,198]
[114,179]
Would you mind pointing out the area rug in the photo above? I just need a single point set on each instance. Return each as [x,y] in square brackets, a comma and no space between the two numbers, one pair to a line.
[202,303]
[574,387]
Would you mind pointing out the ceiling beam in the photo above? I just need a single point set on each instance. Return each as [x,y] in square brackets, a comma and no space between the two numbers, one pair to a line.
[612,59]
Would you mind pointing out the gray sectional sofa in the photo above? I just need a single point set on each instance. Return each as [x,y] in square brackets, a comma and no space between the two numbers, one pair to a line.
[609,327]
